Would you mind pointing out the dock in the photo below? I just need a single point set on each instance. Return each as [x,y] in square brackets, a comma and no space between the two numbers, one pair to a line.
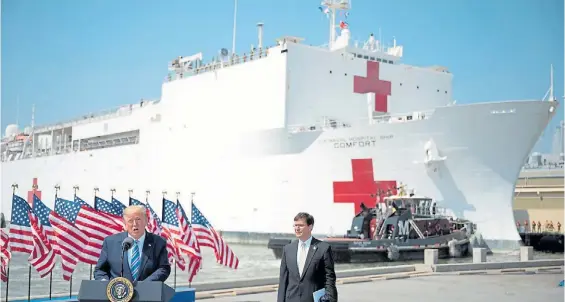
[539,197]
[508,287]
[524,279]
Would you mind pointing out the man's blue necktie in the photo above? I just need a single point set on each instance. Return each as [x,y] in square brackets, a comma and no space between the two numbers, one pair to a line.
[135,261]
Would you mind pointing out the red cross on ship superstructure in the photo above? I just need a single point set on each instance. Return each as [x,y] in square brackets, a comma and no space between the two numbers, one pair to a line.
[34,190]
[372,83]
[363,187]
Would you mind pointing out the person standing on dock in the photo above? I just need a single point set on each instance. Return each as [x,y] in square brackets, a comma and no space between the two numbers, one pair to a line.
[144,260]
[307,266]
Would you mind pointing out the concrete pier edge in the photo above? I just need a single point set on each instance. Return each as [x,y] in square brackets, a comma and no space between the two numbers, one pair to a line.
[206,290]
[511,268]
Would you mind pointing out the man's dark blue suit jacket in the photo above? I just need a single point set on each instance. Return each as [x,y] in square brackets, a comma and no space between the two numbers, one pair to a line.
[154,261]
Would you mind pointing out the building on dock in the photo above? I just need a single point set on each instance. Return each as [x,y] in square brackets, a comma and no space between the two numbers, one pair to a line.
[539,192]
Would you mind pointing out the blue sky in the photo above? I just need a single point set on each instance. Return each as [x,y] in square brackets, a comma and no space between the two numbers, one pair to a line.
[73,57]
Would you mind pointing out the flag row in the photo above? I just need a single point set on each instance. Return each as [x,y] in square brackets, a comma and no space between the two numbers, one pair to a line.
[75,230]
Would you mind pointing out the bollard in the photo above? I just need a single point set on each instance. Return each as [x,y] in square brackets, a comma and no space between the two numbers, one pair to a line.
[430,256]
[526,253]
[479,255]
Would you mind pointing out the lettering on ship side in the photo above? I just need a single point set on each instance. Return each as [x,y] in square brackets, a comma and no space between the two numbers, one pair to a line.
[34,190]
[362,187]
[404,228]
[356,141]
[372,83]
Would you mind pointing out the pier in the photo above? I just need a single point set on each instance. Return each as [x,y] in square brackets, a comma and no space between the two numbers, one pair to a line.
[505,287]
[519,280]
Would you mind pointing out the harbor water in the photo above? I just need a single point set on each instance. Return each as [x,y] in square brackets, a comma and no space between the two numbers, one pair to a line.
[256,261]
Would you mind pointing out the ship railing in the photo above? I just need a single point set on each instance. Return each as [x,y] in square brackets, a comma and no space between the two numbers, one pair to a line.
[215,64]
[548,167]
[71,148]
[121,111]
[333,124]
[378,47]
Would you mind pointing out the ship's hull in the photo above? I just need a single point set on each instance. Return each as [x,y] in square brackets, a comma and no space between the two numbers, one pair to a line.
[258,182]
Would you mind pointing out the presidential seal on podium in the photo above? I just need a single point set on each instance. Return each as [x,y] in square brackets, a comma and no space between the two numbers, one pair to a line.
[119,290]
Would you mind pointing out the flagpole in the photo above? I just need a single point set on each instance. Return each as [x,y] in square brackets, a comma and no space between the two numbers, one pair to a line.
[7,280]
[50,283]
[29,283]
[178,202]
[14,186]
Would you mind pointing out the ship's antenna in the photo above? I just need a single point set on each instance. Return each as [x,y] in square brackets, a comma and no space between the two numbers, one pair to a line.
[332,7]
[234,26]
[551,97]
[18,110]
[32,116]
[260,35]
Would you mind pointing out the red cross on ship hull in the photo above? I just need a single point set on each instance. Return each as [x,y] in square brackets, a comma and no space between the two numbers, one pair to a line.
[34,190]
[372,83]
[362,187]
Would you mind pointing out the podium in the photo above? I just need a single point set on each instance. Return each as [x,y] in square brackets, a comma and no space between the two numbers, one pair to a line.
[143,291]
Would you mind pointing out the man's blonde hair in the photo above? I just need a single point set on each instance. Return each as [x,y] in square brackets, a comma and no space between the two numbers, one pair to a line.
[134,209]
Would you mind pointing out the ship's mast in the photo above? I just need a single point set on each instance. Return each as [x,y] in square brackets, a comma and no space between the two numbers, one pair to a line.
[551,96]
[234,26]
[333,6]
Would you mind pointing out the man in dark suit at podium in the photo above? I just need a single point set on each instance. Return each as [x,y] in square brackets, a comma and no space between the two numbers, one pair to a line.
[146,260]
[307,266]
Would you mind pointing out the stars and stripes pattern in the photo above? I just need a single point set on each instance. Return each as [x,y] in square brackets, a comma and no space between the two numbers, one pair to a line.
[72,242]
[27,235]
[174,252]
[43,256]
[96,224]
[75,231]
[42,212]
[21,236]
[5,255]
[190,244]
[208,236]
[154,226]
[180,233]
[111,209]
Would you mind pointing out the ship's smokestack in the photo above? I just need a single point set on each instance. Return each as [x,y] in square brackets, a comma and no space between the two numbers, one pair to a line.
[260,33]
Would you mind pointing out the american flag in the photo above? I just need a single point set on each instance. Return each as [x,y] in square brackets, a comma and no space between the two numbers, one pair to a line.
[173,250]
[73,243]
[190,244]
[176,230]
[21,237]
[42,212]
[28,236]
[97,225]
[43,256]
[111,209]
[154,226]
[155,221]
[5,255]
[207,236]
[119,205]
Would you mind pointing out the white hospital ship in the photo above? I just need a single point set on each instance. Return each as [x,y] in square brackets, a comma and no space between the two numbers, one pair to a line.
[262,135]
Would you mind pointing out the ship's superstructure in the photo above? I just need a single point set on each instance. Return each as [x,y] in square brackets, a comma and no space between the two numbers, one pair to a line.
[261,135]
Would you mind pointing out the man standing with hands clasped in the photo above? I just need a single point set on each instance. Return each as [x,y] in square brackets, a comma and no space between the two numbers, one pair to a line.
[307,266]
[145,260]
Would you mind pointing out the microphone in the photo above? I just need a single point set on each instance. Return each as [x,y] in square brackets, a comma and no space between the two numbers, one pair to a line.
[126,245]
